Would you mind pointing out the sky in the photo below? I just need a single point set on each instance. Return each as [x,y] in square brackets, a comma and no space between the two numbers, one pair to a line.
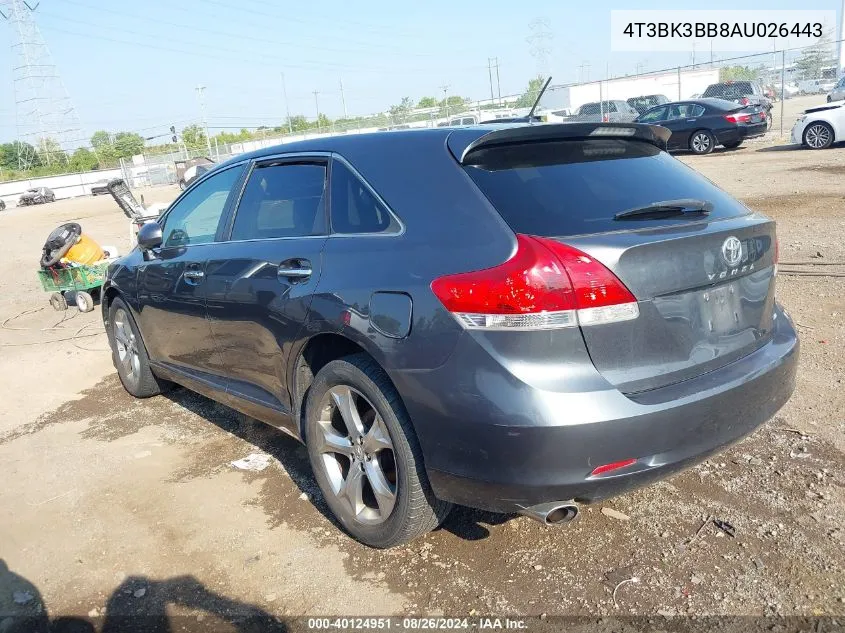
[135,66]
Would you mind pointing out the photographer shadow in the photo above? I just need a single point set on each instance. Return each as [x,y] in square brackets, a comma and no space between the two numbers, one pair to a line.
[137,605]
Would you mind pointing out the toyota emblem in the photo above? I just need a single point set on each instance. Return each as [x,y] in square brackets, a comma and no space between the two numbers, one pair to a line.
[732,251]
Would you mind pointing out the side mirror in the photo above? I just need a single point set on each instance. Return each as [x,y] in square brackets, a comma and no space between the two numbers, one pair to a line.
[149,236]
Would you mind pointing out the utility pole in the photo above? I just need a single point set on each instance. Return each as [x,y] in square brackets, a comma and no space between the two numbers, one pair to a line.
[317,104]
[287,107]
[201,95]
[343,99]
[445,90]
[490,75]
[498,83]
[584,72]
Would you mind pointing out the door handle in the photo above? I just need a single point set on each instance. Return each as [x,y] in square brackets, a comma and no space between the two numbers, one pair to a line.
[294,269]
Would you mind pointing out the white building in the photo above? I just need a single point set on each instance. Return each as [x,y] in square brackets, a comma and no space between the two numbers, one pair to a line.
[673,85]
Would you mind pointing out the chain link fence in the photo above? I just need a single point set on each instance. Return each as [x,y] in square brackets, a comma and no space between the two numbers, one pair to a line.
[791,80]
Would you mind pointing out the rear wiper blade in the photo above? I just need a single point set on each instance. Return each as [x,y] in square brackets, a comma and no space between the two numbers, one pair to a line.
[666,208]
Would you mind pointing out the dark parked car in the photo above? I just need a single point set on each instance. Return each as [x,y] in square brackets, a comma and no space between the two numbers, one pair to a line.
[519,319]
[2,205]
[641,104]
[702,124]
[100,188]
[37,195]
[745,93]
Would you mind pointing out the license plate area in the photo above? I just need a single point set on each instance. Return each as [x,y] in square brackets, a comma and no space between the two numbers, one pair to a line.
[720,309]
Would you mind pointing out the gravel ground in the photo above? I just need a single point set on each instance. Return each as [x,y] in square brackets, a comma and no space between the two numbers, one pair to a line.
[111,505]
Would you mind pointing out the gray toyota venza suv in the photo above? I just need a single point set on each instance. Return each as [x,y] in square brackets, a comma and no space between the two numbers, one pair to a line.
[518,318]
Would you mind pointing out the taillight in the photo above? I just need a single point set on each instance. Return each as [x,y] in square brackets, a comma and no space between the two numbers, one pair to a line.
[544,285]
[738,118]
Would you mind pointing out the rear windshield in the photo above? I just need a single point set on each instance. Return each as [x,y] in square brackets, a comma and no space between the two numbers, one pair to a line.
[565,188]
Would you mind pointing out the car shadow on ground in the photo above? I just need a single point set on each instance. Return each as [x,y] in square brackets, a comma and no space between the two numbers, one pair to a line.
[139,604]
[465,523]
[781,148]
[717,151]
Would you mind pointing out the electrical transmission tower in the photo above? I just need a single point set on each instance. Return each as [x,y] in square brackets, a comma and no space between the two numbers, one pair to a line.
[540,41]
[47,124]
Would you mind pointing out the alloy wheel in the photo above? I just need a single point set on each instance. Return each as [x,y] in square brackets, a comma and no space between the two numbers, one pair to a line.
[357,455]
[127,345]
[818,136]
[700,143]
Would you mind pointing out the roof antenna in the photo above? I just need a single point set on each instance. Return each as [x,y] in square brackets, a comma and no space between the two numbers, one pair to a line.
[539,96]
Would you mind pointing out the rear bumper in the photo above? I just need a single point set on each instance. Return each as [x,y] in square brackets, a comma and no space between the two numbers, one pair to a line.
[506,445]
[741,133]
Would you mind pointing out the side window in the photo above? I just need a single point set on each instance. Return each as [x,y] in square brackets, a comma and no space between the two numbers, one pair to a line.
[695,110]
[194,219]
[354,208]
[611,107]
[282,200]
[658,114]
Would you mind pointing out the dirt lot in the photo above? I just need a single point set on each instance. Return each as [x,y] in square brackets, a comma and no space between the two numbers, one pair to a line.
[111,505]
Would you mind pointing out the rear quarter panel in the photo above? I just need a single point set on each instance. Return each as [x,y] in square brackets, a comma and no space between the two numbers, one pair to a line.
[448,227]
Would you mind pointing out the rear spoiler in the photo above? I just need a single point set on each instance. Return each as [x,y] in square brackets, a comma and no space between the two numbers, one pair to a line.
[653,134]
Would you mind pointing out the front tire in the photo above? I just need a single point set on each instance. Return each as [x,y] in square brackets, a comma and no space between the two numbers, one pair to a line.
[702,142]
[366,457]
[129,354]
[84,301]
[818,135]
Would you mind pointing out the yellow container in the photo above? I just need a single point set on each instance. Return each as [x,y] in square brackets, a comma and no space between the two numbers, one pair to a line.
[86,251]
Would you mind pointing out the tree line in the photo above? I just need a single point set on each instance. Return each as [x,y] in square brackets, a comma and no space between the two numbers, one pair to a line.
[24,160]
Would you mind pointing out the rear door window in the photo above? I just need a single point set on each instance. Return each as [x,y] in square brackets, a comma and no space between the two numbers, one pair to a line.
[566,188]
[282,200]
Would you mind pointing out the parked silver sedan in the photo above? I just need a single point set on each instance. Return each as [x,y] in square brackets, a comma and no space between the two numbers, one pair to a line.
[838,92]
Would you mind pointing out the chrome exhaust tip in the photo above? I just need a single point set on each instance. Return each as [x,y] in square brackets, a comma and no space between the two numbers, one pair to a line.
[553,513]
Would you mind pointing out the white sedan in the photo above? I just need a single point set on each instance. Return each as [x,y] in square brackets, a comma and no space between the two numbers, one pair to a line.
[819,128]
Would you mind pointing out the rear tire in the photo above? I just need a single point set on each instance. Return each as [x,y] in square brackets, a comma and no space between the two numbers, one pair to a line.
[818,135]
[702,142]
[129,354]
[370,470]
[58,302]
[182,185]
